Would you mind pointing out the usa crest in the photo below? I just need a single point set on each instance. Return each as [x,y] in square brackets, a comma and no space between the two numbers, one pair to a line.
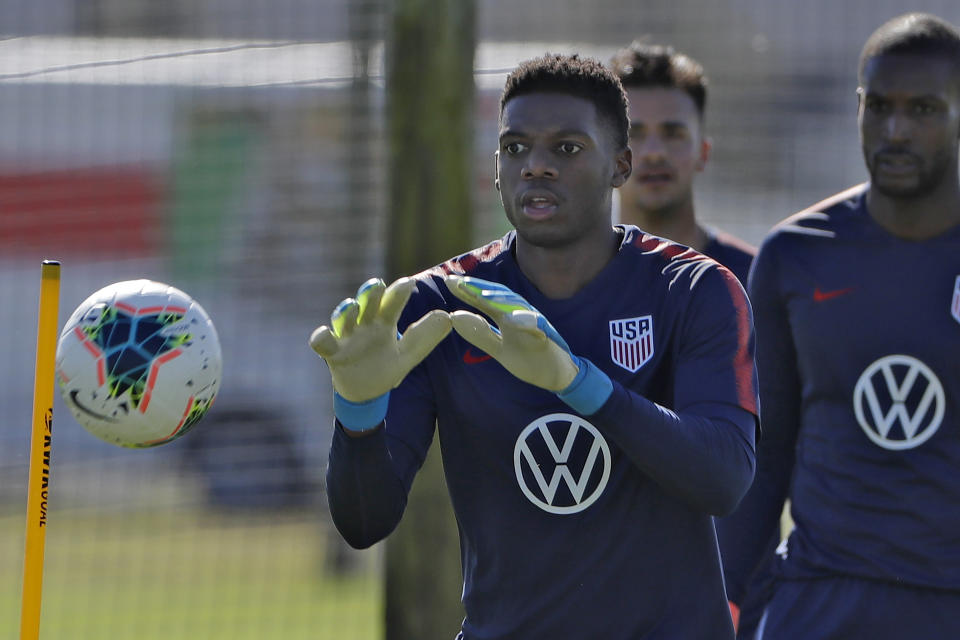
[631,342]
[955,305]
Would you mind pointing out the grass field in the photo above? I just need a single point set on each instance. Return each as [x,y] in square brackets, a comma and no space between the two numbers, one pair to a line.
[173,575]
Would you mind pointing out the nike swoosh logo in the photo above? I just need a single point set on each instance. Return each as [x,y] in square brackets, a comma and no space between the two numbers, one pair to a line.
[88,411]
[471,358]
[821,296]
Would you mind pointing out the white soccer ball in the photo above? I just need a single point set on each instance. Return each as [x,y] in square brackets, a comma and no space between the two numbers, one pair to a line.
[139,363]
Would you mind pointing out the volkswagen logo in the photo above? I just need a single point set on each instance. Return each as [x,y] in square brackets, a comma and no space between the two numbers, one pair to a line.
[899,402]
[562,463]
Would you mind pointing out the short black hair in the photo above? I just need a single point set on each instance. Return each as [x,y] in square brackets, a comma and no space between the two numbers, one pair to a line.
[913,34]
[643,65]
[572,75]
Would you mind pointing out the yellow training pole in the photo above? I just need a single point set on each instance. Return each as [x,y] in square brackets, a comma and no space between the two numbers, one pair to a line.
[39,479]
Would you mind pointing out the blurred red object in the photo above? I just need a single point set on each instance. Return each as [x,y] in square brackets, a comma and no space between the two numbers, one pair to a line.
[98,212]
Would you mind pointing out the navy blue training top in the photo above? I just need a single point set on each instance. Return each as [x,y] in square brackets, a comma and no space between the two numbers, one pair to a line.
[859,357]
[731,252]
[578,526]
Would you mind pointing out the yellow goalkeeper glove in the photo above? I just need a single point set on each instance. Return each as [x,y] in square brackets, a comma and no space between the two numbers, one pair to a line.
[526,344]
[366,355]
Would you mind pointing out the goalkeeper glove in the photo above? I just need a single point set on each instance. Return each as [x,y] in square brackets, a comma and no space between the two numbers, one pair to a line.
[366,356]
[526,344]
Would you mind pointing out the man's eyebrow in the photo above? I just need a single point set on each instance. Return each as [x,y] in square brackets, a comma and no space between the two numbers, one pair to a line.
[939,97]
[920,96]
[663,123]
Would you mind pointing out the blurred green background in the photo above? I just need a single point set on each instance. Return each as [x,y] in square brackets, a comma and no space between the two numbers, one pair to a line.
[155,574]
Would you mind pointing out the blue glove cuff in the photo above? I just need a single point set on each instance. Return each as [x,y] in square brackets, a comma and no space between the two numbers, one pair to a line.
[589,390]
[360,416]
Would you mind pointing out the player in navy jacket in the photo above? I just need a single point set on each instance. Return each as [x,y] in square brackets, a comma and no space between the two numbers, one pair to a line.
[586,457]
[667,91]
[857,303]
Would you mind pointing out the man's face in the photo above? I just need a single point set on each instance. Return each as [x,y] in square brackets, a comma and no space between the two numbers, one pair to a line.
[557,163]
[668,150]
[909,117]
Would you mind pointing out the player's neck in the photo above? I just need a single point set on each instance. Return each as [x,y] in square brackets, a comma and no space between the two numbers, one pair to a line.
[917,218]
[678,224]
[560,272]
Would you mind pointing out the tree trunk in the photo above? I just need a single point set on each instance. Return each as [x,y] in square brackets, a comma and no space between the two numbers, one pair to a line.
[429,63]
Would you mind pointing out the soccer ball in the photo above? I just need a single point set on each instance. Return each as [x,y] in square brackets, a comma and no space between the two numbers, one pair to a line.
[138,363]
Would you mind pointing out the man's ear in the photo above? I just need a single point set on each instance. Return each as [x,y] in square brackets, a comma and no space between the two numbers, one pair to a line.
[706,146]
[496,169]
[623,167]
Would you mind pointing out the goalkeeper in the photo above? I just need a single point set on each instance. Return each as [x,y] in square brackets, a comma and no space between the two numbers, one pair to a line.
[593,389]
